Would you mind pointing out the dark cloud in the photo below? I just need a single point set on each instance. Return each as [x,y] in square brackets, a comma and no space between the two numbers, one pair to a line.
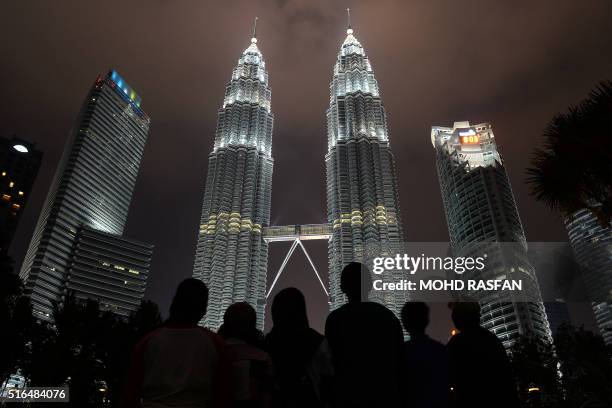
[514,64]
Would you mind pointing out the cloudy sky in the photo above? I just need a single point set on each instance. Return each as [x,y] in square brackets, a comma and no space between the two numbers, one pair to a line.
[514,64]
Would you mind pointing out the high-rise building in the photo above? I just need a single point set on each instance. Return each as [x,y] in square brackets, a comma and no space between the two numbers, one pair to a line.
[592,245]
[362,198]
[231,255]
[110,269]
[482,216]
[92,186]
[19,164]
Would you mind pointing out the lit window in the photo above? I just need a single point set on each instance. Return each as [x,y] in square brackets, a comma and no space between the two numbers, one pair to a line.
[21,193]
[11,184]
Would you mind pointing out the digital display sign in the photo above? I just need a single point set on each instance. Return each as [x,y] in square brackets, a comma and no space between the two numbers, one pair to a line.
[469,136]
[469,139]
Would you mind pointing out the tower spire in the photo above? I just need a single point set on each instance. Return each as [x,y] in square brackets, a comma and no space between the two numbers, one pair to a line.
[349,29]
[254,37]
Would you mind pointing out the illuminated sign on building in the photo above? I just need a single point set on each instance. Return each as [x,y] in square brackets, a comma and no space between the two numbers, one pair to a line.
[469,139]
[125,88]
[468,136]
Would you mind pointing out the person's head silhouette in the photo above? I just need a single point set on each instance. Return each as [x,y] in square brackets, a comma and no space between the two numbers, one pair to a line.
[465,315]
[415,317]
[189,302]
[239,321]
[289,309]
[355,282]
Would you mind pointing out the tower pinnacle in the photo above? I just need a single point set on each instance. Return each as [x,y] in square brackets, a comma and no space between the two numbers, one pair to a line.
[254,37]
[349,30]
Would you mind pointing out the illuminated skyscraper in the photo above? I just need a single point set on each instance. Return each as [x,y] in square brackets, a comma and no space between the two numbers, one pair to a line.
[231,255]
[483,218]
[362,199]
[92,187]
[592,245]
[19,164]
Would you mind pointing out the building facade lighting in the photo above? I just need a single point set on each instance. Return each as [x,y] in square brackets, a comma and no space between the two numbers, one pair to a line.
[231,252]
[362,194]
[121,131]
[480,209]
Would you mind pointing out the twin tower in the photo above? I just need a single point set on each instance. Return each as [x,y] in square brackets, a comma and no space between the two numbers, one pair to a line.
[363,212]
[78,245]
[362,200]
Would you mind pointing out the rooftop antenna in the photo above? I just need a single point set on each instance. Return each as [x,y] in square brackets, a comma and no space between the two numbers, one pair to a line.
[349,30]
[254,38]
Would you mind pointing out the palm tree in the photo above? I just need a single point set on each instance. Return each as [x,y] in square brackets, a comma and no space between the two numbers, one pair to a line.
[574,169]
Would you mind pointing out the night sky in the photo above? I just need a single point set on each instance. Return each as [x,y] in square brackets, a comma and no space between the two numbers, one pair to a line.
[514,64]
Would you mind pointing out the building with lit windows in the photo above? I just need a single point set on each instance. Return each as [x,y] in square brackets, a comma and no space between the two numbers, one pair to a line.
[110,269]
[231,255]
[92,187]
[19,164]
[362,200]
[592,245]
[482,217]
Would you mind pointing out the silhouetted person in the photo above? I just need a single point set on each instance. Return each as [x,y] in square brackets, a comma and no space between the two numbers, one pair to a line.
[366,342]
[181,364]
[426,384]
[297,353]
[251,366]
[480,370]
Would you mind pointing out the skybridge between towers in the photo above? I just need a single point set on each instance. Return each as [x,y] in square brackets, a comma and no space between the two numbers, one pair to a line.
[297,234]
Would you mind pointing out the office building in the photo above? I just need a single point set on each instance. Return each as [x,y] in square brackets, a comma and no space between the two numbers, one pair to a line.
[592,246]
[110,269]
[482,217]
[19,164]
[92,186]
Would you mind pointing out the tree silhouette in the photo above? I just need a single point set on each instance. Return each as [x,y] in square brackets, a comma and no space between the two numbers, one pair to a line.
[535,368]
[15,318]
[586,369]
[572,171]
[86,349]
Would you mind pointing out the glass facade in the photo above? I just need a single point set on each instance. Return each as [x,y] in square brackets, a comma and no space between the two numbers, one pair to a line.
[92,186]
[592,246]
[481,214]
[110,269]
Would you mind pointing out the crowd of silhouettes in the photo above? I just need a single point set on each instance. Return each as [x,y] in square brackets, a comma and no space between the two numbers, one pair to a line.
[360,361]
